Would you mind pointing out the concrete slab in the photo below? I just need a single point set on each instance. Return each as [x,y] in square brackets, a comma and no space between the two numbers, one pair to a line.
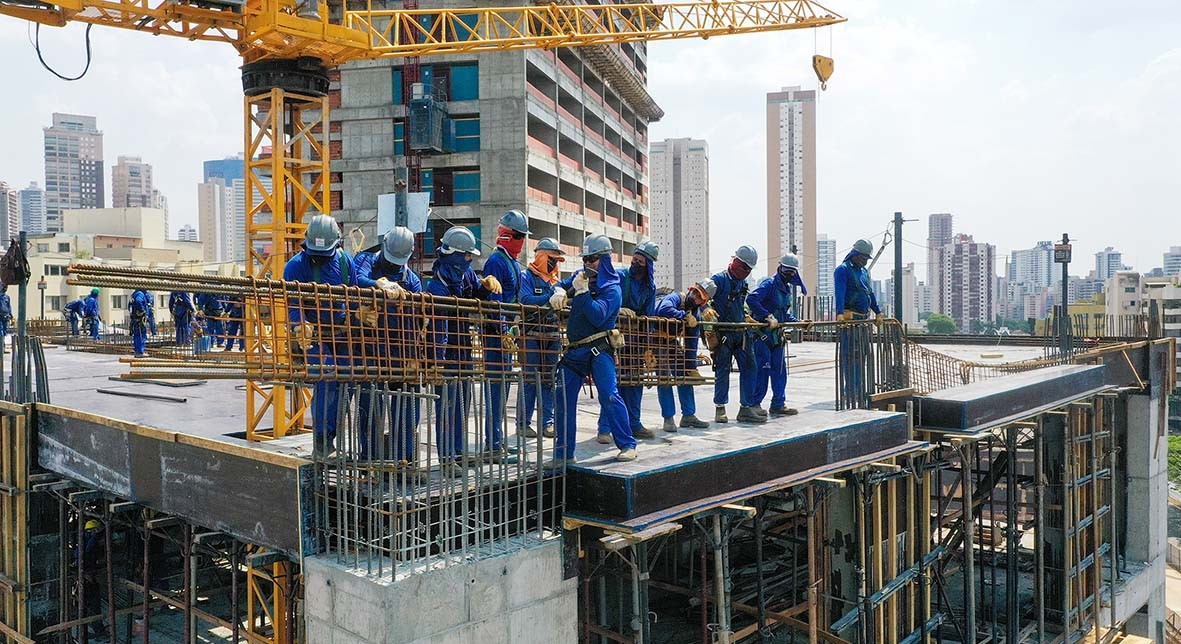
[981,404]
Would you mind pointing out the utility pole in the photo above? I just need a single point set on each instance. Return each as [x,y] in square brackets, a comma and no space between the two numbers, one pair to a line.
[898,221]
[1062,256]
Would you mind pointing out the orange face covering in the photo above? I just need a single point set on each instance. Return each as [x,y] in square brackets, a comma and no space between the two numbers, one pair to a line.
[546,265]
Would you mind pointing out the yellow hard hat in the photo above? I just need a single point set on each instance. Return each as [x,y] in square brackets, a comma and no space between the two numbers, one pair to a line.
[93,524]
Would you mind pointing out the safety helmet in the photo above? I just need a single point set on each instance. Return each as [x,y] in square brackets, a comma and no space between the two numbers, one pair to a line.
[595,245]
[649,249]
[322,236]
[548,244]
[515,220]
[397,245]
[790,260]
[707,287]
[459,240]
[863,246]
[93,525]
[747,255]
[94,291]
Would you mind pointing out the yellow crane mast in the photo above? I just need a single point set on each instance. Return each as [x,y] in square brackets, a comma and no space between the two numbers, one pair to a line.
[288,48]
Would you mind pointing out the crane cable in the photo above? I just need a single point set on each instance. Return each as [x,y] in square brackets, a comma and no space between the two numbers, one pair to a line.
[37,48]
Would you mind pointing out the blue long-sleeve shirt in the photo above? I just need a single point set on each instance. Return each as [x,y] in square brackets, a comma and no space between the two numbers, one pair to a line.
[507,271]
[673,306]
[771,297]
[333,271]
[535,291]
[74,309]
[639,294]
[90,307]
[138,306]
[853,289]
[730,298]
[180,304]
[5,306]
[208,303]
[362,265]
[450,280]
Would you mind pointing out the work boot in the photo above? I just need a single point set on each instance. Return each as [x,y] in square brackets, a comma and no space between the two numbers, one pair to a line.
[626,455]
[529,432]
[603,439]
[690,421]
[643,432]
[749,415]
[670,425]
[548,431]
[720,414]
[784,411]
[760,411]
[558,463]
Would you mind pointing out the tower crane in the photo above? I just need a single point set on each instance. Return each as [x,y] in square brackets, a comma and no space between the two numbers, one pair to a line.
[288,48]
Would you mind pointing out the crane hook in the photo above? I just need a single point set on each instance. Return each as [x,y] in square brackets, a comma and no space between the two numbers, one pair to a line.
[823,66]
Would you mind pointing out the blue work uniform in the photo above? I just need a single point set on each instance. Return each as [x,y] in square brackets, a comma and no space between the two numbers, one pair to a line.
[639,295]
[5,314]
[497,362]
[234,312]
[543,347]
[673,306]
[91,315]
[210,305]
[733,345]
[592,313]
[452,276]
[854,293]
[395,331]
[73,313]
[137,309]
[151,312]
[334,270]
[181,307]
[773,296]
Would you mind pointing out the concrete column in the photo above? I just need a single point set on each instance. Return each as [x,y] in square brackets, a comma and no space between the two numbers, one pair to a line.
[1147,484]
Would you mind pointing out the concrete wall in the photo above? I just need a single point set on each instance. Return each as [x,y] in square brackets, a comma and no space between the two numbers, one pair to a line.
[518,597]
[1148,491]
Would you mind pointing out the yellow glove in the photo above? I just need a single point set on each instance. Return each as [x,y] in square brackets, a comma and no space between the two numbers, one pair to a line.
[690,321]
[845,316]
[709,315]
[368,316]
[491,284]
[390,289]
[304,335]
[878,318]
[772,323]
[627,313]
[509,344]
[581,283]
[649,360]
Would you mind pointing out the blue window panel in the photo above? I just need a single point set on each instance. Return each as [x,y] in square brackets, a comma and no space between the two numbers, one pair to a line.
[427,179]
[465,82]
[467,127]
[467,196]
[461,34]
[399,137]
[466,144]
[398,86]
[466,180]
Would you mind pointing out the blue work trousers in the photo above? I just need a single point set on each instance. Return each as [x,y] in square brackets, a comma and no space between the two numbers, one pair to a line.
[576,365]
[184,330]
[326,395]
[215,329]
[234,332]
[451,409]
[93,325]
[394,408]
[498,364]
[3,327]
[668,406]
[772,365]
[854,355]
[73,325]
[541,363]
[139,337]
[734,347]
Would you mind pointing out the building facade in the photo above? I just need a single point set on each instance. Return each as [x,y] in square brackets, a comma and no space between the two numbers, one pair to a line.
[939,234]
[74,171]
[1033,266]
[10,213]
[131,183]
[1108,262]
[968,282]
[32,209]
[826,263]
[1172,261]
[680,211]
[216,211]
[1124,294]
[791,178]
[188,234]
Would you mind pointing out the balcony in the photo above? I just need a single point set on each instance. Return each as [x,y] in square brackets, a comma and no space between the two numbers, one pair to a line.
[537,194]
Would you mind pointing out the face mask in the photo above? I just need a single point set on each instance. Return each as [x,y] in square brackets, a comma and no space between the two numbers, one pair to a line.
[788,274]
[510,240]
[551,264]
[319,259]
[638,268]
[860,260]
[738,269]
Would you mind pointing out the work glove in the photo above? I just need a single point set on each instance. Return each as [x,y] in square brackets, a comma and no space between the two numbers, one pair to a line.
[581,284]
[627,313]
[878,319]
[367,315]
[751,320]
[649,360]
[391,289]
[709,315]
[491,284]
[304,335]
[558,299]
[772,323]
[509,344]
[690,321]
[706,359]
[844,316]
[808,324]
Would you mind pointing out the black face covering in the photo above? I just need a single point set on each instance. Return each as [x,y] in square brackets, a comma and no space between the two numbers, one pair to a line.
[637,269]
[320,259]
[860,260]
[551,263]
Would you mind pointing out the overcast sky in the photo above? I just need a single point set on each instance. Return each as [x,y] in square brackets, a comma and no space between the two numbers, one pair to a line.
[1023,119]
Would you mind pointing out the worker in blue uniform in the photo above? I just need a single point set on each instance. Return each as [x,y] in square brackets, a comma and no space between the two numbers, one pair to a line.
[590,330]
[452,276]
[211,306]
[638,287]
[73,313]
[91,316]
[733,345]
[387,270]
[5,311]
[137,315]
[151,302]
[853,290]
[322,261]
[687,308]
[181,307]
[234,310]
[498,334]
[542,335]
[770,303]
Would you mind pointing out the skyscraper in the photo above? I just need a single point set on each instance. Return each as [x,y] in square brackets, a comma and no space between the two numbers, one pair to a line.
[969,282]
[215,213]
[939,234]
[826,263]
[791,178]
[187,234]
[74,172]
[131,183]
[1033,266]
[1107,263]
[10,214]
[1172,265]
[680,211]
[32,209]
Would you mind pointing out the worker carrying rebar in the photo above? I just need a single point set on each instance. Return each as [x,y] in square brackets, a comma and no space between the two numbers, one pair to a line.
[321,261]
[137,315]
[211,307]
[638,286]
[593,340]
[387,269]
[5,311]
[91,316]
[542,335]
[181,307]
[452,276]
[733,345]
[687,308]
[499,335]
[73,313]
[770,303]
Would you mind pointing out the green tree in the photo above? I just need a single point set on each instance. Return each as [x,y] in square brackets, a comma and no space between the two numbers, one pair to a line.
[940,324]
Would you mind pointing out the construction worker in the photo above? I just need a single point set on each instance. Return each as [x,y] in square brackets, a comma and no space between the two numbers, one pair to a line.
[322,261]
[854,301]
[387,270]
[543,339]
[73,313]
[590,330]
[181,307]
[5,311]
[137,315]
[733,344]
[91,316]
[210,305]
[151,301]
[687,308]
[499,340]
[638,286]
[234,310]
[452,276]
[771,303]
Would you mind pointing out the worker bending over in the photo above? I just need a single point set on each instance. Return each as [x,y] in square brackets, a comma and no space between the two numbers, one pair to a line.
[687,308]
[771,303]
[543,339]
[499,342]
[73,313]
[91,316]
[137,309]
[733,344]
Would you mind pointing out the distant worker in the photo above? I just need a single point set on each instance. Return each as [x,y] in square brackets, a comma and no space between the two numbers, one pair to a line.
[590,330]
[210,305]
[542,335]
[151,300]
[388,270]
[73,313]
[854,300]
[638,287]
[452,276]
[5,311]
[733,343]
[181,307]
[322,261]
[499,342]
[687,308]
[91,317]
[137,315]
[771,304]
[234,310]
